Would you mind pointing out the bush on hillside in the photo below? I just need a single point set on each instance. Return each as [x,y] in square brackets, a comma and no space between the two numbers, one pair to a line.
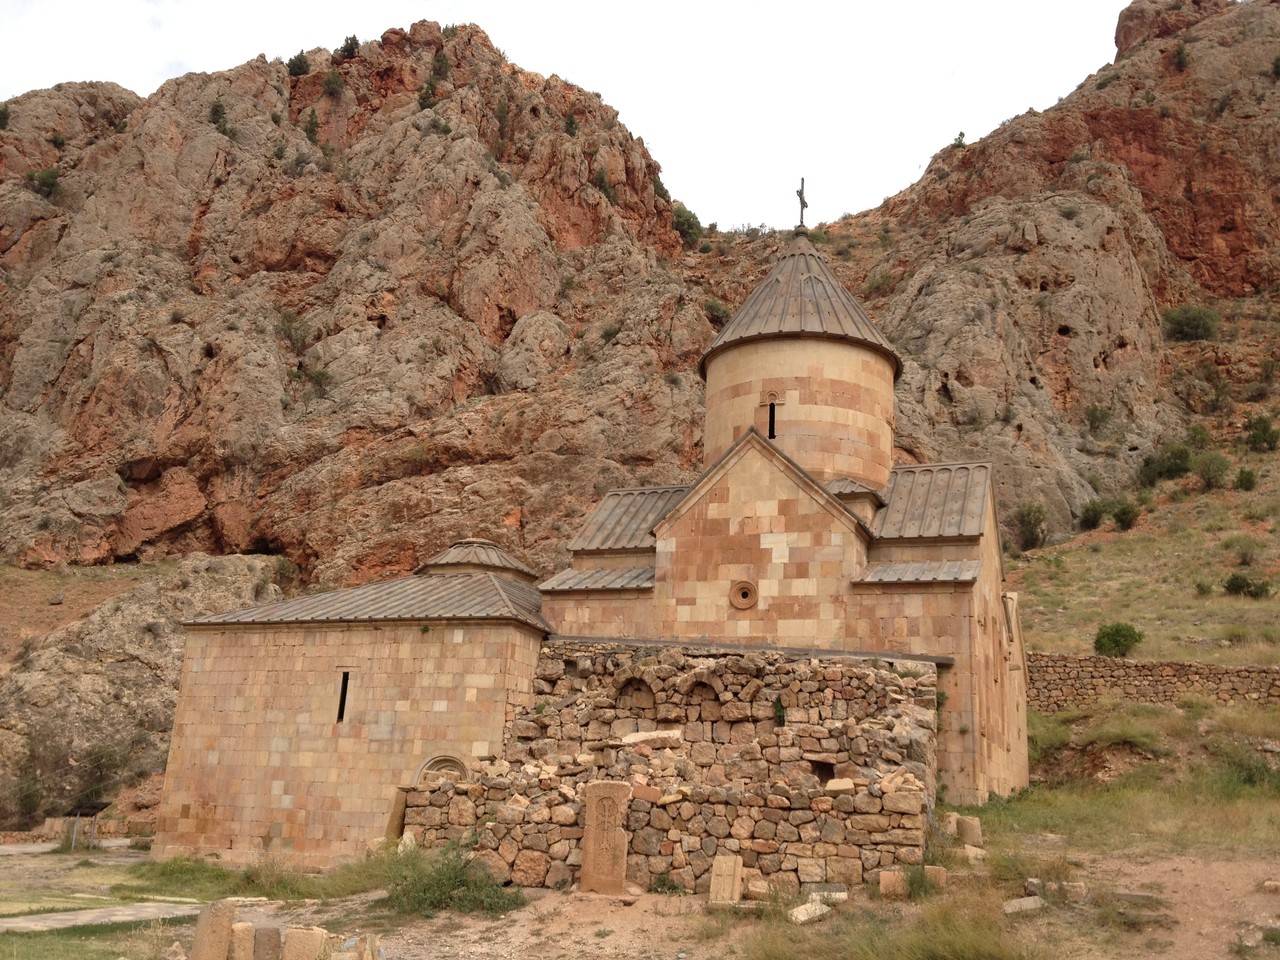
[349,47]
[1171,461]
[1116,639]
[1190,322]
[1126,513]
[1093,513]
[687,224]
[1030,523]
[1246,479]
[1238,585]
[1212,468]
[1260,433]
[299,65]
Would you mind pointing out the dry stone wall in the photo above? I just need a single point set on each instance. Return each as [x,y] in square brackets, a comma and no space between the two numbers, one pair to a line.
[813,770]
[1055,681]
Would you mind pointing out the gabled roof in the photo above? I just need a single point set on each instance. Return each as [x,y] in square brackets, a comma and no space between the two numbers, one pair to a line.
[464,596]
[922,571]
[752,439]
[624,519]
[847,487]
[934,500]
[474,556]
[632,578]
[801,297]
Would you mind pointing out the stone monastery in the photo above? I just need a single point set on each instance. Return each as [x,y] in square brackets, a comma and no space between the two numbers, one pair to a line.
[785,661]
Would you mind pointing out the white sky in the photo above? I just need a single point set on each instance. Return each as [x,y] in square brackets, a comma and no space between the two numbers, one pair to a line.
[736,101]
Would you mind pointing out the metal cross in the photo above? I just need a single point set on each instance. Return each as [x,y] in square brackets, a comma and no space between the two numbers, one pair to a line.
[803,202]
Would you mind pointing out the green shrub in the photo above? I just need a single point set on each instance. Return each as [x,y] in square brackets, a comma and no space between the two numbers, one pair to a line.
[601,182]
[705,247]
[1096,416]
[1190,323]
[217,113]
[427,95]
[299,65]
[1093,513]
[4,116]
[1246,479]
[1211,467]
[349,47]
[333,83]
[43,182]
[1171,461]
[1204,588]
[717,312]
[660,189]
[1181,59]
[1248,550]
[686,224]
[1030,523]
[571,125]
[1198,437]
[1116,639]
[440,66]
[312,127]
[58,140]
[1238,585]
[425,884]
[293,331]
[1260,433]
[1126,513]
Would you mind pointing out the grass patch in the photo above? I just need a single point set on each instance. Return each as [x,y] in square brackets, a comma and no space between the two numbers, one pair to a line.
[105,941]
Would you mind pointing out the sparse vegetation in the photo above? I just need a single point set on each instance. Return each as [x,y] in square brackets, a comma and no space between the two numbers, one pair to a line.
[312,127]
[716,311]
[1261,433]
[1116,639]
[1190,322]
[1125,513]
[350,46]
[1211,467]
[1096,416]
[601,182]
[686,224]
[1171,461]
[299,65]
[571,125]
[1246,479]
[333,83]
[4,116]
[1238,585]
[43,182]
[1030,524]
[440,66]
[426,883]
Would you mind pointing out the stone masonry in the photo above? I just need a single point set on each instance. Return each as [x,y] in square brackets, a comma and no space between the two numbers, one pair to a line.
[1055,681]
[813,770]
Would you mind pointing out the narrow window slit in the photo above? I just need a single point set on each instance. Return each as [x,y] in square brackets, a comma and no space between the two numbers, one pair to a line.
[342,695]
[773,411]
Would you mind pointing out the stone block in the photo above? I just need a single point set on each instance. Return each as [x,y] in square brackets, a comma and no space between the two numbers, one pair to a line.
[974,854]
[726,879]
[267,943]
[910,802]
[212,940]
[1023,905]
[893,884]
[304,943]
[241,941]
[530,868]
[809,912]
[935,877]
[969,830]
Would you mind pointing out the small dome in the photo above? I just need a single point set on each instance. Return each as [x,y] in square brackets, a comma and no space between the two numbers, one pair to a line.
[474,555]
[801,297]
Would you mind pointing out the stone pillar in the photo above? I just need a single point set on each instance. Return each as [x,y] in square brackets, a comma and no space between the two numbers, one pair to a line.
[604,841]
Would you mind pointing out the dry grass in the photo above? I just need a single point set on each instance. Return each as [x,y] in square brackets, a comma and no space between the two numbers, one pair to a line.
[1148,576]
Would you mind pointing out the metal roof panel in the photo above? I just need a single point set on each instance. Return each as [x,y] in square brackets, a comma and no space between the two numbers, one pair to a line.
[633,578]
[934,500]
[624,519]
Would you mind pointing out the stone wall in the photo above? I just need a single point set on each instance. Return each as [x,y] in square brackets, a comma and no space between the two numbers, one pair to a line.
[1055,681]
[293,739]
[811,769]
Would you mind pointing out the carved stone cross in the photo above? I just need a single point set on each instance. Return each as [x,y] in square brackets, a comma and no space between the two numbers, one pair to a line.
[803,202]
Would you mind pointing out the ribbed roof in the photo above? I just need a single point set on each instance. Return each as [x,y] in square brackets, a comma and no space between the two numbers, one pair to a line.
[923,571]
[938,500]
[624,519]
[464,596]
[801,297]
[632,578]
[475,555]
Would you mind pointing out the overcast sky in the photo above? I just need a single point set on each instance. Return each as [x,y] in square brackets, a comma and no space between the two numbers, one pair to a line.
[736,101]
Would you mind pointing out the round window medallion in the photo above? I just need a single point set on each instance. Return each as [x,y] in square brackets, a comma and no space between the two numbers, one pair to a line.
[743,594]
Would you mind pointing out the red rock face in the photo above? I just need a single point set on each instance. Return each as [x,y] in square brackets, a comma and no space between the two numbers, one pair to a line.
[462,319]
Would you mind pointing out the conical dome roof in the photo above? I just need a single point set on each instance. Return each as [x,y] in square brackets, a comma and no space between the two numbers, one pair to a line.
[476,555]
[801,297]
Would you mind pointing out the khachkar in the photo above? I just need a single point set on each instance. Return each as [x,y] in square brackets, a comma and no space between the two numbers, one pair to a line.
[604,841]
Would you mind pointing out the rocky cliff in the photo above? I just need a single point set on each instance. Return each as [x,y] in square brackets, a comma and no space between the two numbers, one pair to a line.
[415,293]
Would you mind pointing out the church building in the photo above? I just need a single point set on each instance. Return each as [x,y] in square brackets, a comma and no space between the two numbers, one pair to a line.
[299,721]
